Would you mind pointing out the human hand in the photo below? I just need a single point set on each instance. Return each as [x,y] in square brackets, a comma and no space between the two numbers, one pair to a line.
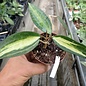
[18,70]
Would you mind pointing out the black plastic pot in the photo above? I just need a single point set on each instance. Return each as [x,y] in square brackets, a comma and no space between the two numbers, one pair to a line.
[8,29]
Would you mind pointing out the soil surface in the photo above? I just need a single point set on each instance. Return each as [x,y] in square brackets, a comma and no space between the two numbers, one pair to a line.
[47,50]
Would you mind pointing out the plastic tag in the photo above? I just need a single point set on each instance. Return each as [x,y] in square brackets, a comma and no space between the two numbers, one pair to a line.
[55,67]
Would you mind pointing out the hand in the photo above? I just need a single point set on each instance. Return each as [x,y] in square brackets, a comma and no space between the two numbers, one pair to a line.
[18,70]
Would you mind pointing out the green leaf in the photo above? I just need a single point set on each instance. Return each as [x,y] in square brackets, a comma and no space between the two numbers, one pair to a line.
[69,45]
[15,3]
[64,25]
[62,22]
[2,4]
[20,14]
[9,20]
[11,12]
[18,44]
[40,19]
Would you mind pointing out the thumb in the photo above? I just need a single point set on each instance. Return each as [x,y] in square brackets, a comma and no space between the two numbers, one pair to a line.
[39,68]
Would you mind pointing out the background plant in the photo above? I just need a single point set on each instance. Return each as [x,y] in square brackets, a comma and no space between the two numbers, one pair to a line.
[23,42]
[72,4]
[9,8]
[82,16]
[79,17]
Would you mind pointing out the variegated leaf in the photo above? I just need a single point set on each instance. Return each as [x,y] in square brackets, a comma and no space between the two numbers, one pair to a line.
[40,19]
[18,44]
[70,45]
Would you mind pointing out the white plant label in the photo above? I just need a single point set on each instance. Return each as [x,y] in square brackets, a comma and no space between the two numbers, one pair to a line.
[55,67]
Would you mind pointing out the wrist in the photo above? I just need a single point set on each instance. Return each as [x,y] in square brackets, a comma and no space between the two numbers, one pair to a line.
[4,81]
[9,80]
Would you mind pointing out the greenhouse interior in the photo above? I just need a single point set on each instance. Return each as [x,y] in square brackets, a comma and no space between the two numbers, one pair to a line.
[42,42]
